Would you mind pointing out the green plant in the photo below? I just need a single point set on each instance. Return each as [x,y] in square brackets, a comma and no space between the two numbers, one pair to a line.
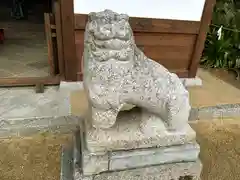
[222,46]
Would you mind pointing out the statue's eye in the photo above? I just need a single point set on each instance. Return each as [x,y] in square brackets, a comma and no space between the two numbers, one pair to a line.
[106,28]
[115,17]
[122,28]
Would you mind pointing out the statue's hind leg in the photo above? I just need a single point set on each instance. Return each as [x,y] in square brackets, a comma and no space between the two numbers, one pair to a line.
[178,114]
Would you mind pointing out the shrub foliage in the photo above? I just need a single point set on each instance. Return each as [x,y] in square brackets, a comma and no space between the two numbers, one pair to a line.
[222,46]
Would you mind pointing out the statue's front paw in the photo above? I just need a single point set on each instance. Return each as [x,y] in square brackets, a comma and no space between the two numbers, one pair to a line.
[103,118]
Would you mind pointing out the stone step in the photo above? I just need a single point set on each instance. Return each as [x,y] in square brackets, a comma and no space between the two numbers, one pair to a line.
[23,112]
[174,171]
[153,156]
[30,126]
[137,158]
[215,112]
[67,163]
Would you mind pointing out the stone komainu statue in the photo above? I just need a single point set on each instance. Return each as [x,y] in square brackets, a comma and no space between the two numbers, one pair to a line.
[117,73]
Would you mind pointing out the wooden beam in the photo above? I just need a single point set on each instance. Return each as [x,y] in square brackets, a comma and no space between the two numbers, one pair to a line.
[150,25]
[68,39]
[199,46]
[58,22]
[49,36]
[29,81]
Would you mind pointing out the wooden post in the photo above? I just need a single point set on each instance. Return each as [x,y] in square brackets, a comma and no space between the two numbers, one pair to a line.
[205,22]
[68,40]
[58,22]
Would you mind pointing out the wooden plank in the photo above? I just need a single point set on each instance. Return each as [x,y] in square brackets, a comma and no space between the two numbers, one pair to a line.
[164,25]
[79,52]
[180,73]
[29,81]
[80,21]
[57,14]
[172,57]
[198,49]
[68,36]
[163,39]
[48,32]
[150,25]
[79,36]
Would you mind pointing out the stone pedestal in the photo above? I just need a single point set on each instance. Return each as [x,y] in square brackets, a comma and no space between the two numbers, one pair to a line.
[174,171]
[127,152]
[138,158]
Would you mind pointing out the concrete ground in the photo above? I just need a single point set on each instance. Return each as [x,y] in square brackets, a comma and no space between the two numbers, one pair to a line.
[215,91]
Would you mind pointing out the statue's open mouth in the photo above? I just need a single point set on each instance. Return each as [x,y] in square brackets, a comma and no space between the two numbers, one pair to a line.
[108,35]
[112,44]
[106,54]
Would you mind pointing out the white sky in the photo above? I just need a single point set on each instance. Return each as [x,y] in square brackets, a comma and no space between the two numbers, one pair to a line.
[163,9]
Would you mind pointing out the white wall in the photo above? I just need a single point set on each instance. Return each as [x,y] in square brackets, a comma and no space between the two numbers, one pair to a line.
[164,9]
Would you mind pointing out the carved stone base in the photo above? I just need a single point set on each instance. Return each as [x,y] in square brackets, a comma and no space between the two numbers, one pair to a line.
[122,160]
[164,163]
[175,171]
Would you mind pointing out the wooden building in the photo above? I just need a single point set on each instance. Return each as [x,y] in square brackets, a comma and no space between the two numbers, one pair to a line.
[175,43]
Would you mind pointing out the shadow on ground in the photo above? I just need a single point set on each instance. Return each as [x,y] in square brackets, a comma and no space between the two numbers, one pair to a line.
[229,77]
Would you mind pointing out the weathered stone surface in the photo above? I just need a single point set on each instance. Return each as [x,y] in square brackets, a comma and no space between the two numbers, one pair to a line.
[116,73]
[194,114]
[220,111]
[121,160]
[28,127]
[162,172]
[117,77]
[92,164]
[128,134]
[153,156]
[67,165]
[188,82]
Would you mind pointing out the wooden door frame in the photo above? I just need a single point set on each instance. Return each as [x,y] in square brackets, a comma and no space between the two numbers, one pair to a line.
[29,81]
[71,64]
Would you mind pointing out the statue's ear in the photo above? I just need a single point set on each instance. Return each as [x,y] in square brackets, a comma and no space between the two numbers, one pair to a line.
[92,16]
[92,25]
[123,17]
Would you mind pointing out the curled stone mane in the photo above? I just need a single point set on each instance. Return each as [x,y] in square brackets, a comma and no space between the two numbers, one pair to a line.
[109,36]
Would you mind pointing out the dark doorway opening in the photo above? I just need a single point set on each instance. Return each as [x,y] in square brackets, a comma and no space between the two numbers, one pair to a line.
[24,50]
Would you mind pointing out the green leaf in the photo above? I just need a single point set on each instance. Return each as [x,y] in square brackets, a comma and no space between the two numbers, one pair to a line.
[223,53]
